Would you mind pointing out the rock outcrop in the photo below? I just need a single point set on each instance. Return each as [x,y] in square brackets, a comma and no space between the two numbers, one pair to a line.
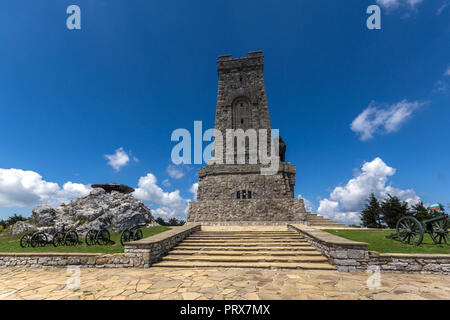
[43,215]
[111,209]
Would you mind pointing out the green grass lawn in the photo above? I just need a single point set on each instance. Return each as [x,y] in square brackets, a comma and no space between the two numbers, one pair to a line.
[11,244]
[377,242]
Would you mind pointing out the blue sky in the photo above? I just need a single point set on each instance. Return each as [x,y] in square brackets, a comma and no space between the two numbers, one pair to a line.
[138,70]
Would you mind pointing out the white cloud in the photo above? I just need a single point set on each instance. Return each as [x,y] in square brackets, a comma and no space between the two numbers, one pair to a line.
[175,172]
[441,86]
[346,202]
[166,183]
[442,7]
[375,119]
[388,3]
[165,212]
[170,202]
[394,4]
[119,159]
[20,188]
[194,189]
[447,72]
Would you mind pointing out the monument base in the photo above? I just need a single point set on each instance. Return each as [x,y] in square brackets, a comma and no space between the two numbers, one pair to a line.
[247,212]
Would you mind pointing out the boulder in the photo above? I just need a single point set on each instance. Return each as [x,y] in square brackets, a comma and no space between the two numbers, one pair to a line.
[108,187]
[21,227]
[43,215]
[113,210]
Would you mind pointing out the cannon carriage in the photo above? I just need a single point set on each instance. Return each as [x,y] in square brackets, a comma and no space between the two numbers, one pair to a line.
[100,237]
[131,234]
[410,231]
[41,239]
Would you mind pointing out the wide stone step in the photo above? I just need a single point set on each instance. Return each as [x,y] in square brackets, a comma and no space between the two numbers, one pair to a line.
[246,249]
[189,240]
[246,252]
[264,258]
[245,233]
[245,237]
[266,265]
[244,244]
[326,223]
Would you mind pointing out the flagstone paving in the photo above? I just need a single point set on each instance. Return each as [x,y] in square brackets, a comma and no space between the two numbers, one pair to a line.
[216,283]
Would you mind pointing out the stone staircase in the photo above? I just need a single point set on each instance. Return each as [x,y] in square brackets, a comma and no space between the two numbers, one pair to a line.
[245,249]
[315,220]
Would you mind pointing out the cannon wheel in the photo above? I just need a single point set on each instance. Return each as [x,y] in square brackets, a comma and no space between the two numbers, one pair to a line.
[25,240]
[90,237]
[103,237]
[124,236]
[38,239]
[71,238]
[410,231]
[138,234]
[439,231]
[58,239]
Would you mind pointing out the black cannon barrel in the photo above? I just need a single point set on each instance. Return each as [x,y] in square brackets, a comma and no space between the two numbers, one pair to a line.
[434,219]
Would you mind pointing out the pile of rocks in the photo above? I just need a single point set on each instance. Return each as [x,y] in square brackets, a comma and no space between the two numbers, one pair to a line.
[102,208]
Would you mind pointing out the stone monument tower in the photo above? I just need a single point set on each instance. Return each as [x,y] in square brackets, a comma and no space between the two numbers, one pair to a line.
[232,190]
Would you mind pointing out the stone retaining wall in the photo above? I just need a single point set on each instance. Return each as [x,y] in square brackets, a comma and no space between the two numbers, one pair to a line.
[150,250]
[423,263]
[342,253]
[51,259]
[352,256]
[140,254]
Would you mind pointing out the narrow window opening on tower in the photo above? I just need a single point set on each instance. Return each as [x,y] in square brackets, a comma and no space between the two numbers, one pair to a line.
[238,195]
[243,194]
[242,121]
[249,194]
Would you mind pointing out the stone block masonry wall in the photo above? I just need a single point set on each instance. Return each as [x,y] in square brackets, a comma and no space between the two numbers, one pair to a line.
[139,254]
[423,263]
[245,211]
[50,259]
[241,95]
[221,182]
[352,256]
[342,253]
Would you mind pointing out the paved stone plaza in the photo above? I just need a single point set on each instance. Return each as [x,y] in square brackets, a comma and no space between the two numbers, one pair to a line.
[168,283]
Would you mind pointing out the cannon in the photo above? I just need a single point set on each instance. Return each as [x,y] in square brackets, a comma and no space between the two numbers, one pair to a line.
[411,231]
[36,239]
[131,234]
[65,238]
[41,239]
[100,237]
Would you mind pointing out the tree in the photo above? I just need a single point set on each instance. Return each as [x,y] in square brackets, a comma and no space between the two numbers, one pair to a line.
[370,215]
[175,222]
[420,212]
[392,209]
[161,221]
[172,222]
[12,220]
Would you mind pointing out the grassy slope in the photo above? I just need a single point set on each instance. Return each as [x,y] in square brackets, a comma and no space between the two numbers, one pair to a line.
[377,242]
[11,244]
